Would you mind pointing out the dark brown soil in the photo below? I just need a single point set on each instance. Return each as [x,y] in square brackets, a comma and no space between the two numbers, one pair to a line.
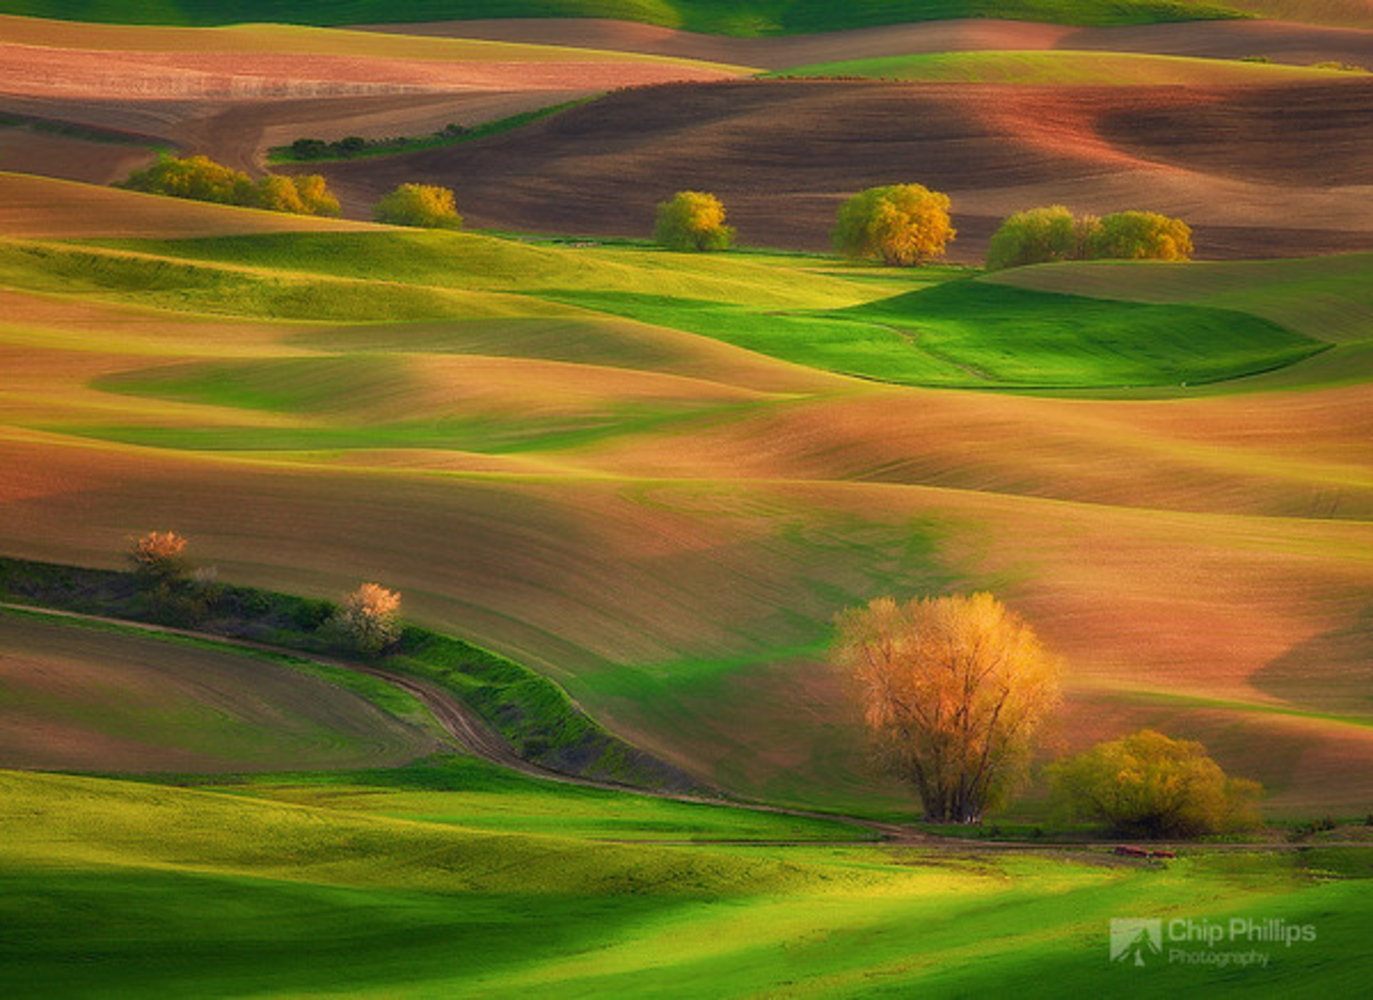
[1262,168]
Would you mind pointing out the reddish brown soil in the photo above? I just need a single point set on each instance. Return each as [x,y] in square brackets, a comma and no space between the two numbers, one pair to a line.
[1239,163]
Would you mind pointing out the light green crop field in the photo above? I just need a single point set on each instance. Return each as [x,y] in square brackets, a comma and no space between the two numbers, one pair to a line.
[657,477]
[1065,68]
[475,795]
[137,890]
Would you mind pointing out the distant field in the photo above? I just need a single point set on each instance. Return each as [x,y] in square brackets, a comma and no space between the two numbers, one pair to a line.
[282,38]
[598,170]
[103,699]
[1340,13]
[260,897]
[718,16]
[1063,68]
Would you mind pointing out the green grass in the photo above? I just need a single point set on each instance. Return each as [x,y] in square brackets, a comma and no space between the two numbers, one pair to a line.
[137,890]
[925,327]
[473,794]
[970,334]
[759,17]
[1059,68]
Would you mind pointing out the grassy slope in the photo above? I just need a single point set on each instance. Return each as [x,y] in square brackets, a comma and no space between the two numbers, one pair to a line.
[1330,298]
[715,16]
[1063,68]
[167,891]
[102,698]
[475,795]
[954,333]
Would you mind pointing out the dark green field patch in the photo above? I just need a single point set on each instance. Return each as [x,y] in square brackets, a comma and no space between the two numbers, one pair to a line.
[977,335]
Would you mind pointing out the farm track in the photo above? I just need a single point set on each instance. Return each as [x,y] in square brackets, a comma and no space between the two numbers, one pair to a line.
[475,737]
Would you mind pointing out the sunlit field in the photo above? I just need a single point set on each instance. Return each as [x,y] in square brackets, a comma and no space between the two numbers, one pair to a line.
[625,493]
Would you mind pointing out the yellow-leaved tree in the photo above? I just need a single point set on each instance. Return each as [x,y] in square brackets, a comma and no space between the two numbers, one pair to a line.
[692,220]
[954,691]
[1153,786]
[900,224]
[425,205]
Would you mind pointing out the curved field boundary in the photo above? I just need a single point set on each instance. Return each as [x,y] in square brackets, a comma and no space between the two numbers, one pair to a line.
[84,695]
[473,734]
[529,711]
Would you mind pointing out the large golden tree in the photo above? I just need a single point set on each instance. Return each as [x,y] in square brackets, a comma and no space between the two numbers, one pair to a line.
[954,691]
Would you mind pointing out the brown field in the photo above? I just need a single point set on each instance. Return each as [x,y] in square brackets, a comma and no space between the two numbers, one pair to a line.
[782,156]
[84,700]
[1300,44]
[35,207]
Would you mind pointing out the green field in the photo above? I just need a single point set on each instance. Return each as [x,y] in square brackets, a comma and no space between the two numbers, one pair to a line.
[715,16]
[1062,68]
[152,890]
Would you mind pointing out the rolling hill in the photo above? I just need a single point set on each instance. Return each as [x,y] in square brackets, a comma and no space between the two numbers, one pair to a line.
[599,169]
[79,698]
[642,505]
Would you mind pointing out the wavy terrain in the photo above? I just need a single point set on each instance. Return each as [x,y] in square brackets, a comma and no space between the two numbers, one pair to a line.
[79,698]
[782,156]
[667,522]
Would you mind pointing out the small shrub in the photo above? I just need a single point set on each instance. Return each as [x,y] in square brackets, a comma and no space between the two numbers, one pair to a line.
[159,556]
[424,205]
[692,220]
[370,618]
[309,149]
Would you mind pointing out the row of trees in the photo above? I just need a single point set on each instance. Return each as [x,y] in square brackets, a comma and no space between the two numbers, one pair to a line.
[367,621]
[200,178]
[1044,235]
[903,225]
[954,693]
